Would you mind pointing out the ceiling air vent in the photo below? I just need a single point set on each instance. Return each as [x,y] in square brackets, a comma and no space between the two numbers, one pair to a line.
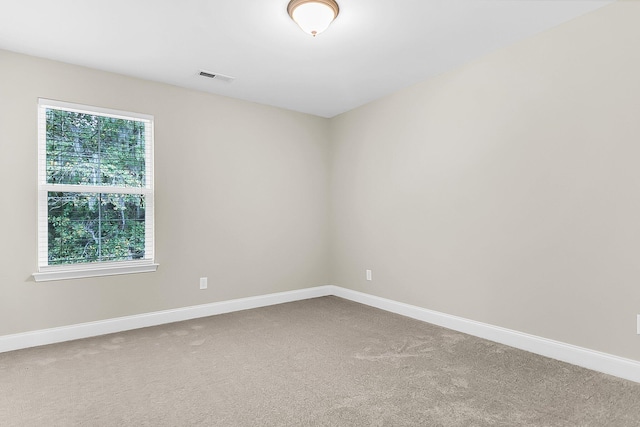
[217,76]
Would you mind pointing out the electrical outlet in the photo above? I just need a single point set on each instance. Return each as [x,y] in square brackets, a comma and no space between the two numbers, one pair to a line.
[369,275]
[203,283]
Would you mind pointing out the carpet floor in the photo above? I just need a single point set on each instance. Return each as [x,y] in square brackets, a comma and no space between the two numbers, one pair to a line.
[319,362]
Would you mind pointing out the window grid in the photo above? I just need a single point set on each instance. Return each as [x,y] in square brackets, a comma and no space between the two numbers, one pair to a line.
[44,188]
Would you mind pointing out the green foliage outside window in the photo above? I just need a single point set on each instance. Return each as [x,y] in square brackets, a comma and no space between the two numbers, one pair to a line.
[92,150]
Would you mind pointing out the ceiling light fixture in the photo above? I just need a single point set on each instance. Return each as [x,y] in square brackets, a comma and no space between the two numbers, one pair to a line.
[313,16]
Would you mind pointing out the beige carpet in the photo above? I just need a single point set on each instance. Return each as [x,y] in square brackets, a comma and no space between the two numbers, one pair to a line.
[320,362]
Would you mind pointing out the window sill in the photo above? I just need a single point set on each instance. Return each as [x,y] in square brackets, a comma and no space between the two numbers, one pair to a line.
[62,272]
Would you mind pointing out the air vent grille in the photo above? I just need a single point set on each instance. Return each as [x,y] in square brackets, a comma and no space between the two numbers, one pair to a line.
[216,76]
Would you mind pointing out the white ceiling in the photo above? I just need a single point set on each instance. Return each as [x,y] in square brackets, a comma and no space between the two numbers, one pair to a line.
[373,48]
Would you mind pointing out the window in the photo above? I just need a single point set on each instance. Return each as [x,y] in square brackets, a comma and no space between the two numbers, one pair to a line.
[95,191]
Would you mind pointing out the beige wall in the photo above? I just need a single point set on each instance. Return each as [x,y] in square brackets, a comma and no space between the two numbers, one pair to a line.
[241,197]
[506,191]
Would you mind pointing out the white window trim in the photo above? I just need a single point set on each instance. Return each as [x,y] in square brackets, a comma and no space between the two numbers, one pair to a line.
[78,271]
[74,271]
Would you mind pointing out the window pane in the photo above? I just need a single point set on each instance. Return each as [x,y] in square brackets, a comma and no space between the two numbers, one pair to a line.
[94,150]
[88,227]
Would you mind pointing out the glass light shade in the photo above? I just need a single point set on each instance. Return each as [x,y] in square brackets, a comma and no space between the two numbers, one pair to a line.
[313,16]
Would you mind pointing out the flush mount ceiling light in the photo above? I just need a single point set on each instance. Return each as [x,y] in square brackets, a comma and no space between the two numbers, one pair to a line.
[313,16]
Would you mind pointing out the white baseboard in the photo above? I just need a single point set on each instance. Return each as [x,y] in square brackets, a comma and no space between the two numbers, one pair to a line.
[110,326]
[591,359]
